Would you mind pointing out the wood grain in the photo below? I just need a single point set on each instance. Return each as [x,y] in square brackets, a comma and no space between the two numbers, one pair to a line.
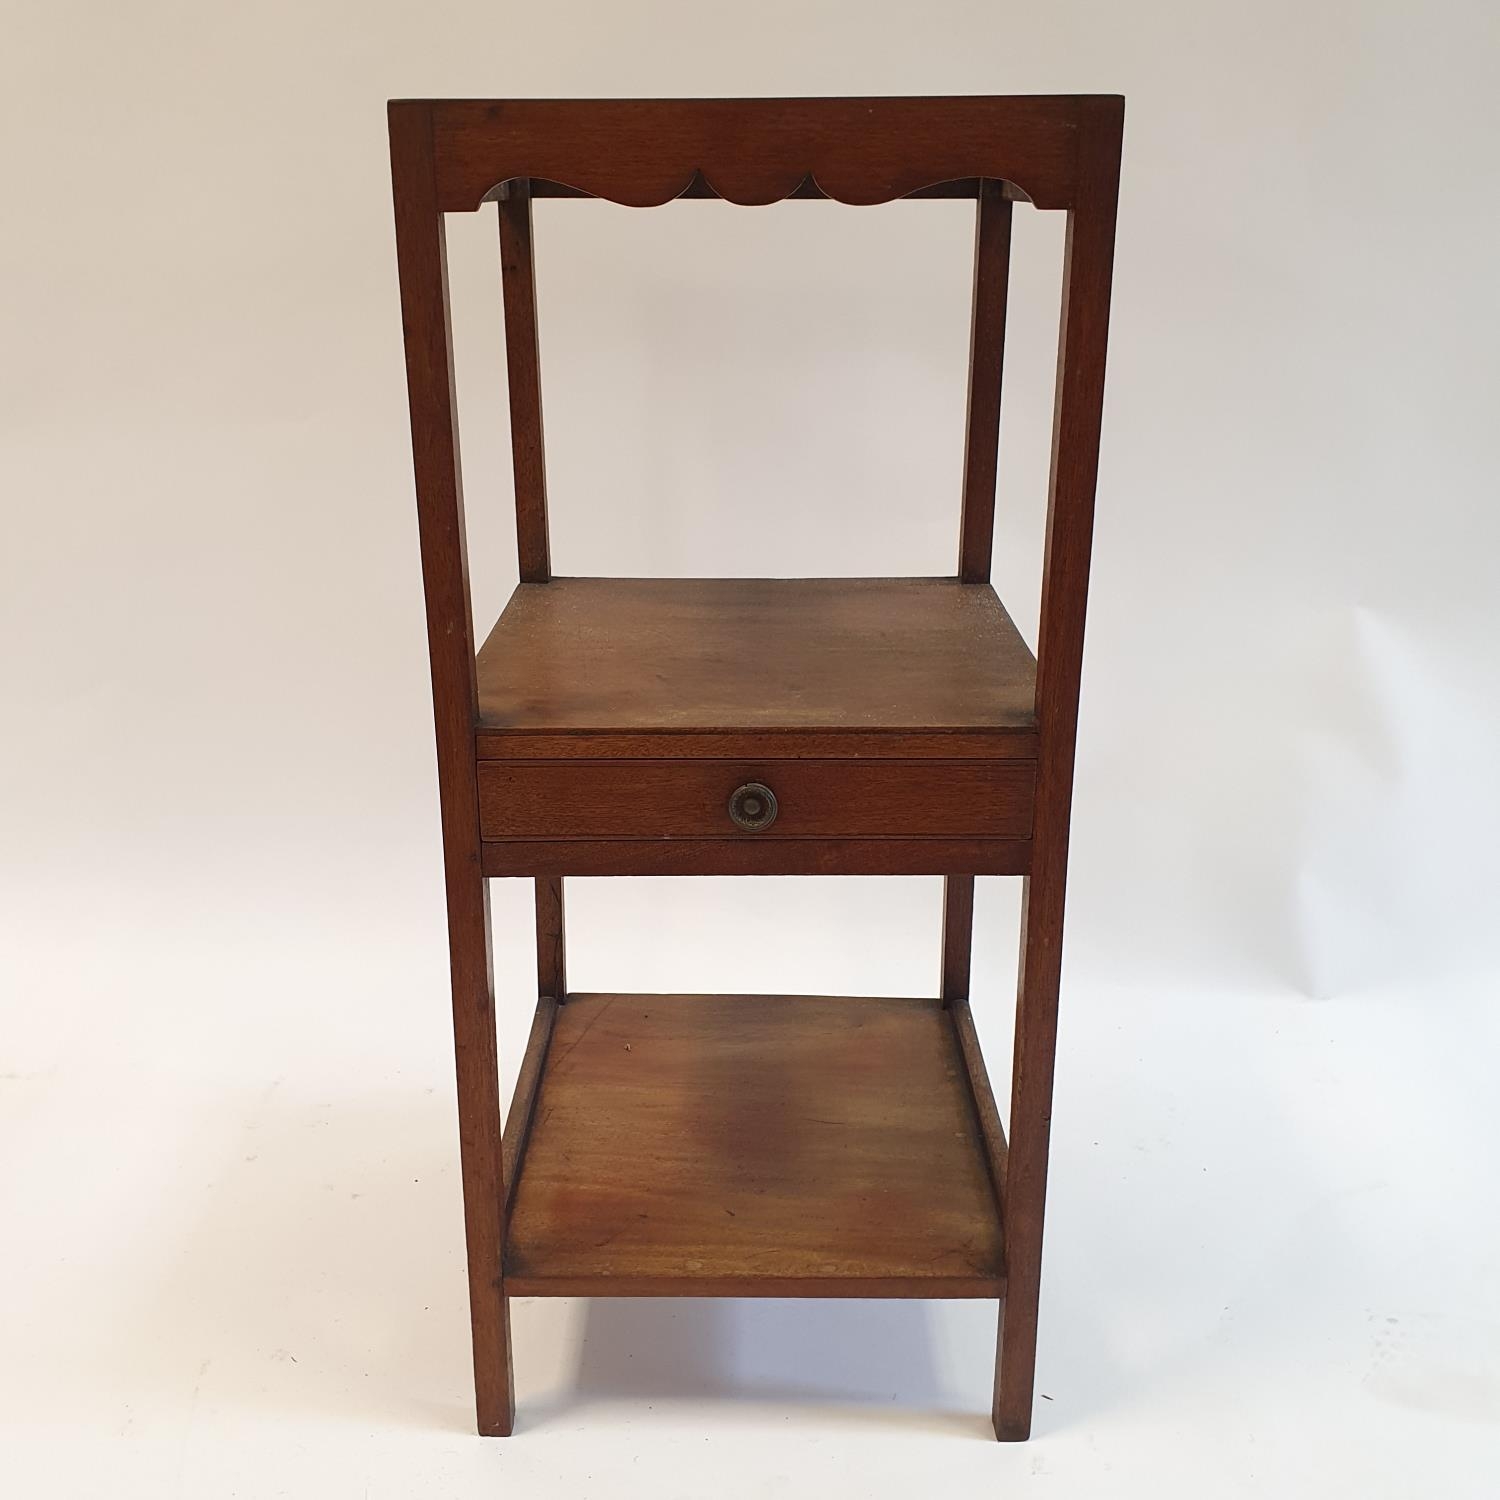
[1088,265]
[665,799]
[958,937]
[991,1131]
[976,541]
[747,654]
[523,1102]
[524,380]
[551,939]
[756,856]
[808,191]
[781,744]
[421,259]
[753,1145]
[645,152]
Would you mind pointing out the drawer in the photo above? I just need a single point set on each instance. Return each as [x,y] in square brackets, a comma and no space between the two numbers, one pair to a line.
[690,799]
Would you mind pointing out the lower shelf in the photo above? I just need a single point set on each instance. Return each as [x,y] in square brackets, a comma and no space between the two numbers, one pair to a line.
[688,1145]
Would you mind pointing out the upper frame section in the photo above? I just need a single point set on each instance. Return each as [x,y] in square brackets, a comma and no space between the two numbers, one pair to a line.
[646,152]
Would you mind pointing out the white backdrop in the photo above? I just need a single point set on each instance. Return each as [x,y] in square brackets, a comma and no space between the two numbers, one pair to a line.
[230,1245]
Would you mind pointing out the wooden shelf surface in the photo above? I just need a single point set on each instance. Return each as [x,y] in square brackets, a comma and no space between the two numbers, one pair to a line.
[753,1145]
[850,656]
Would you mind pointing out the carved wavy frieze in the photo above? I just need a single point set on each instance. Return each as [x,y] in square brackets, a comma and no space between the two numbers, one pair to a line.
[643,153]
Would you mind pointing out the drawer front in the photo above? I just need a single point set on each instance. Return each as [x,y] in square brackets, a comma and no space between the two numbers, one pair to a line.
[645,799]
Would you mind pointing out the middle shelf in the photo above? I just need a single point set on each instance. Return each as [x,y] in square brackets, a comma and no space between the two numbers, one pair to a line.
[891,720]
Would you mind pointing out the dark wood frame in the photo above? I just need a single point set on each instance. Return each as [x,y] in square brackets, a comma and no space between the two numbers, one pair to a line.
[1055,152]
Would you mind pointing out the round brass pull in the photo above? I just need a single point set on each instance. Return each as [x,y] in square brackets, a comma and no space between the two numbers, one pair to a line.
[752,807]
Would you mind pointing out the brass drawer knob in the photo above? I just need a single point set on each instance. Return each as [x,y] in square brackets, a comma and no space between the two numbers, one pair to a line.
[752,807]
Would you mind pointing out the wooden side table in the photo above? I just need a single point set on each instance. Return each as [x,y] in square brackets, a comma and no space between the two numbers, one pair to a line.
[749,1145]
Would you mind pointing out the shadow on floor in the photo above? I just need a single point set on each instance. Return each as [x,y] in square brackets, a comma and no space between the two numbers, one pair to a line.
[852,1359]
